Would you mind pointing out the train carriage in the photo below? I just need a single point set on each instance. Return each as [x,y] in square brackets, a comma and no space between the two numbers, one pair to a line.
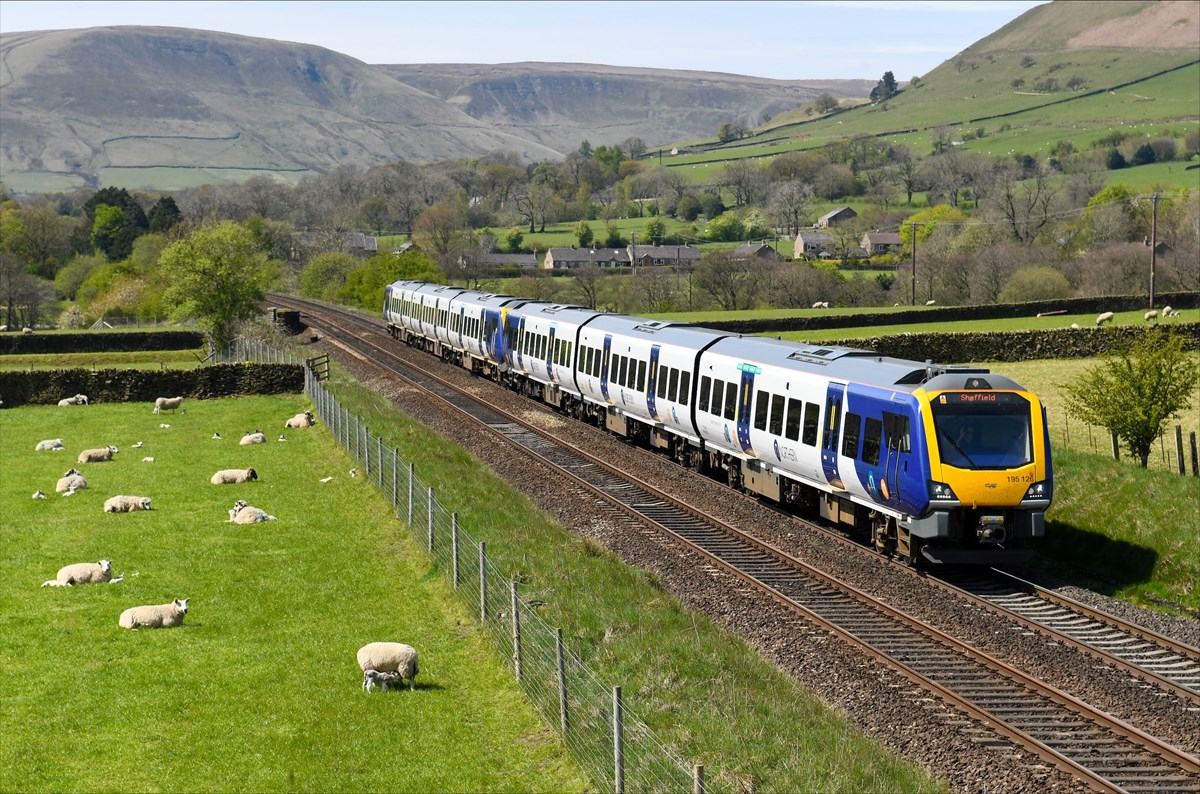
[421,313]
[542,343]
[475,320]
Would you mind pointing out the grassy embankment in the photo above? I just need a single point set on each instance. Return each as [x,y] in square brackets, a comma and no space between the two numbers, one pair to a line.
[259,689]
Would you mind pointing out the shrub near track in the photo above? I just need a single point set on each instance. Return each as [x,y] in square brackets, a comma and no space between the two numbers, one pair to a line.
[259,689]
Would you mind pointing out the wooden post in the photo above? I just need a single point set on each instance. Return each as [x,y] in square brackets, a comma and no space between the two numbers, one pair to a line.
[618,743]
[1116,447]
[482,582]
[430,517]
[564,721]
[454,547]
[1195,459]
[516,631]
[698,779]
[1179,449]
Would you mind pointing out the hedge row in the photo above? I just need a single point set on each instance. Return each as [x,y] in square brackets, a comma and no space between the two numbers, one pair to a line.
[47,387]
[957,348]
[99,342]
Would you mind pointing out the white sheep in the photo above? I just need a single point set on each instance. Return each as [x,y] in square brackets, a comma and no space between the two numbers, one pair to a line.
[300,420]
[49,445]
[1166,312]
[1106,317]
[1075,326]
[72,480]
[390,657]
[817,305]
[233,476]
[242,513]
[373,678]
[159,616]
[167,404]
[930,302]
[126,504]
[97,455]
[81,573]
[78,399]
[257,437]
[1150,315]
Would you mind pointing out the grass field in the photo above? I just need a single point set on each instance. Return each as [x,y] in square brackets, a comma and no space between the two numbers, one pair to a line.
[139,359]
[259,689]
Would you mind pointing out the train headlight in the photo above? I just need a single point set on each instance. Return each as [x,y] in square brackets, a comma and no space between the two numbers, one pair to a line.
[1039,490]
[941,492]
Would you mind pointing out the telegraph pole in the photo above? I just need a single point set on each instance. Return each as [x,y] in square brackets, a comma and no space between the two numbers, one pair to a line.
[913,226]
[1153,246]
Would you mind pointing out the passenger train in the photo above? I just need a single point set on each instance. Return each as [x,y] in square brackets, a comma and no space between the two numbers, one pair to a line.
[938,464]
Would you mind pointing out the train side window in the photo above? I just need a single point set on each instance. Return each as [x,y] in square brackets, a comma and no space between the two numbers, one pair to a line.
[731,395]
[763,402]
[544,348]
[812,423]
[705,384]
[850,435]
[792,430]
[598,363]
[776,428]
[872,438]
[623,379]
[641,385]
[718,396]
[673,394]
[660,387]
[895,428]
[685,383]
[614,369]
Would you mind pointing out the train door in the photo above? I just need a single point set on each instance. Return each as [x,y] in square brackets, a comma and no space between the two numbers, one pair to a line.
[493,341]
[604,366]
[550,352]
[745,396]
[898,446]
[652,383]
[829,438]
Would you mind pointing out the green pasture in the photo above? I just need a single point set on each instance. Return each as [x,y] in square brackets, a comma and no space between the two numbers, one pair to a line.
[138,359]
[259,690]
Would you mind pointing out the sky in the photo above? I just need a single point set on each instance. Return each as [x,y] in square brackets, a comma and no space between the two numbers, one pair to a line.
[796,40]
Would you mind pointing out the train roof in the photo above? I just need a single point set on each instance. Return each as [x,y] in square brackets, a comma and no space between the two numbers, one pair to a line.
[663,332]
[557,312]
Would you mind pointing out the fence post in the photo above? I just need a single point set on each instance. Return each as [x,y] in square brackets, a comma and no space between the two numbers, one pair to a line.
[516,632]
[454,547]
[432,505]
[1116,447]
[367,451]
[1179,449]
[357,432]
[618,729]
[379,460]
[563,716]
[697,778]
[1195,459]
[411,477]
[395,479]
[482,582]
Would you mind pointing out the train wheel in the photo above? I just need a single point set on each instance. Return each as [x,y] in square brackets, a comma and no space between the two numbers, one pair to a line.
[883,534]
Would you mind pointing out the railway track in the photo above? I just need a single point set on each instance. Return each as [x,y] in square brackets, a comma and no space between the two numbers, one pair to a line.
[1105,752]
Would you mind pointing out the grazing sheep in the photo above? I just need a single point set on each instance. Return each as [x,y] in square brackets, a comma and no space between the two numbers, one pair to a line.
[81,573]
[233,476]
[300,420]
[159,616]
[97,455]
[1075,326]
[1150,315]
[71,481]
[1104,318]
[817,305]
[49,445]
[373,678]
[126,504]
[27,330]
[1166,312]
[243,513]
[78,399]
[389,657]
[167,404]
[256,437]
[930,302]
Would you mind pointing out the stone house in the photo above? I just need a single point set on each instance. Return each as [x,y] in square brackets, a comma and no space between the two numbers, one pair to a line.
[574,258]
[880,242]
[663,255]
[811,244]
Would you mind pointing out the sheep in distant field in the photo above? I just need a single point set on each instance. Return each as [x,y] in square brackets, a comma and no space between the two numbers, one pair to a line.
[242,513]
[1166,312]
[38,494]
[1075,326]
[1150,315]
[71,481]
[300,420]
[82,573]
[817,305]
[1106,317]
[233,476]
[97,455]
[78,399]
[166,404]
[930,302]
[27,330]
[373,678]
[390,657]
[49,445]
[126,504]
[159,616]
[257,437]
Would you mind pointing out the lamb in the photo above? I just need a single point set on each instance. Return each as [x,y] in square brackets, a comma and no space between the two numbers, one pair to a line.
[78,399]
[167,404]
[373,678]
[1104,318]
[159,616]
[256,437]
[126,504]
[49,445]
[71,481]
[82,573]
[300,420]
[243,513]
[97,455]
[233,476]
[1150,315]
[390,657]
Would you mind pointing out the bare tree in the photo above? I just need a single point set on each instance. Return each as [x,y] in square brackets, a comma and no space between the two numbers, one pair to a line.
[745,179]
[1025,205]
[731,283]
[790,204]
[586,281]
[909,170]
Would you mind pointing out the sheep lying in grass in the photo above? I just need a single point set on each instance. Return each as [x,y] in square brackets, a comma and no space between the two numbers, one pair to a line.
[256,437]
[159,616]
[78,399]
[83,573]
[1106,317]
[49,445]
[373,678]
[300,420]
[71,481]
[167,404]
[126,504]
[390,657]
[97,455]
[233,476]
[242,513]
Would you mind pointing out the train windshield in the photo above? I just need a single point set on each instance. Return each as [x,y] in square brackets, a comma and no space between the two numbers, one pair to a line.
[983,429]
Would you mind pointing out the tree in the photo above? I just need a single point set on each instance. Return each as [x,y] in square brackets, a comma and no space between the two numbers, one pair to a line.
[733,284]
[439,230]
[1139,387]
[885,89]
[215,276]
[1035,283]
[654,231]
[1143,156]
[583,233]
[825,103]
[110,233]
[164,214]
[326,274]
[1115,160]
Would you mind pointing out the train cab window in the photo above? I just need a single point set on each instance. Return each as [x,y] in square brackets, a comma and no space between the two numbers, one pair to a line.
[762,403]
[718,395]
[812,423]
[674,392]
[896,431]
[705,385]
[641,379]
[661,385]
[685,383]
[792,429]
[731,395]
[776,428]
[850,434]
[871,442]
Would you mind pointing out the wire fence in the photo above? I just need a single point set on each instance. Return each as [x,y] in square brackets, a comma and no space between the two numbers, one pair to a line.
[1176,450]
[616,749]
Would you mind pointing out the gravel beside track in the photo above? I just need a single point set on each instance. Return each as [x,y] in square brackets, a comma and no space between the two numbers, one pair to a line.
[874,699]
